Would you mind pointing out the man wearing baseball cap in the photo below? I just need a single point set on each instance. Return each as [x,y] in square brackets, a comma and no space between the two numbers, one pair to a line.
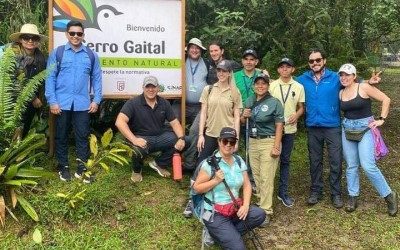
[244,78]
[291,94]
[142,122]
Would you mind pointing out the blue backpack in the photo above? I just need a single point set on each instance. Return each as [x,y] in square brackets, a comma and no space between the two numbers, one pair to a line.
[199,199]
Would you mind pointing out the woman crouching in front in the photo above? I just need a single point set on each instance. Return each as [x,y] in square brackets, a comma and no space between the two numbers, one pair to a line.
[227,229]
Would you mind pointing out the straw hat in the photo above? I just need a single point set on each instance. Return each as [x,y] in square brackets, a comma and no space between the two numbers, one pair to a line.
[27,28]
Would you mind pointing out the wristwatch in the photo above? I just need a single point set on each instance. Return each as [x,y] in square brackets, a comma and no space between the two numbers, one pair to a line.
[381,118]
[181,138]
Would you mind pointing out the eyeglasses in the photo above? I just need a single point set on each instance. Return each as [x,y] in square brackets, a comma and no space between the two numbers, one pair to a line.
[30,37]
[226,141]
[73,33]
[318,60]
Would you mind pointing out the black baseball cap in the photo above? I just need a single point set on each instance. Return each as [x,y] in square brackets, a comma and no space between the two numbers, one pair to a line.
[249,52]
[262,76]
[228,133]
[287,61]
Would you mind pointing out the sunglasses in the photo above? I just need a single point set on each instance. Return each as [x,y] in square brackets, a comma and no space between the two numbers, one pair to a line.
[30,37]
[73,33]
[226,141]
[318,60]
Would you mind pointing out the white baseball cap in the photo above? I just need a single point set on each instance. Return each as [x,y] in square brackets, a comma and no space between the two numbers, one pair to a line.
[348,68]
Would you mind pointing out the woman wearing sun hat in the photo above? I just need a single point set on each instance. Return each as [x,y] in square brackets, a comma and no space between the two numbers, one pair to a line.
[355,102]
[30,61]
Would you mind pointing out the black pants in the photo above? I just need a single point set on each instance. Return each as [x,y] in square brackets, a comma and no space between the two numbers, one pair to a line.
[317,136]
[210,145]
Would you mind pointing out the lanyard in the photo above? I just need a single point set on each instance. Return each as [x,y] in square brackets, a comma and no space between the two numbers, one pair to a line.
[193,70]
[284,99]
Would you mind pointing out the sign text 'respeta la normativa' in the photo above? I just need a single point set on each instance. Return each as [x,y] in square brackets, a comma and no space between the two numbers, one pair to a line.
[129,47]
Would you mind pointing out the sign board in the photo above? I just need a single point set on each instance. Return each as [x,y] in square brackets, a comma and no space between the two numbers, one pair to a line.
[133,38]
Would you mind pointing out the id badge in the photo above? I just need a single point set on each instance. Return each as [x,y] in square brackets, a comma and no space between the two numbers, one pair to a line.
[254,131]
[193,88]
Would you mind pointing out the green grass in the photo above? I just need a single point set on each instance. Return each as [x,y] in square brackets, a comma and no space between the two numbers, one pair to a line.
[117,214]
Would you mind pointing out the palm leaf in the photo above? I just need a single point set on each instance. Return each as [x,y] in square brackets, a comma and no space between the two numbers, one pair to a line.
[28,208]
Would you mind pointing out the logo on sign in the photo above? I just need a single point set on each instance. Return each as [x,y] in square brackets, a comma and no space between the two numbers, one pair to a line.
[84,11]
[121,85]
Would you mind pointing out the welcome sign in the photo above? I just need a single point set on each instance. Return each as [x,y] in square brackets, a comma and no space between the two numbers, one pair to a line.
[133,38]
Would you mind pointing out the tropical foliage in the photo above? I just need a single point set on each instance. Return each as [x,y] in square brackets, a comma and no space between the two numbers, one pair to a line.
[17,157]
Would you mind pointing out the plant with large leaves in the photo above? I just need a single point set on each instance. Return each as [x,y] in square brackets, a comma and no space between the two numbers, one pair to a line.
[17,156]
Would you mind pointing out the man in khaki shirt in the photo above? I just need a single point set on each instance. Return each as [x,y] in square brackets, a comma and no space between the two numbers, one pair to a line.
[291,94]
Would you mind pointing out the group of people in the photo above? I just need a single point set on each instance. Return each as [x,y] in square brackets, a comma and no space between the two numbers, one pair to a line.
[225,101]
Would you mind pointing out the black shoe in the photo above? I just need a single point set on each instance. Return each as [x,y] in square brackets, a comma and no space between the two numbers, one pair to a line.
[286,200]
[392,203]
[337,201]
[313,199]
[188,212]
[266,221]
[80,171]
[351,204]
[64,173]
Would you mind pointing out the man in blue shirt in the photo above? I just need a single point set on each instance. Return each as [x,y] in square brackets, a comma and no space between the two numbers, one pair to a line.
[68,94]
[322,87]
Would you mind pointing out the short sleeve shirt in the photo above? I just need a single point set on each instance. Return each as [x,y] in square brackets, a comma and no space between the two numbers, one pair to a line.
[245,83]
[265,114]
[221,104]
[233,176]
[147,121]
[289,94]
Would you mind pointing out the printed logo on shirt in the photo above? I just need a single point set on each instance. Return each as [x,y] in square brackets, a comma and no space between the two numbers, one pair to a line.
[264,108]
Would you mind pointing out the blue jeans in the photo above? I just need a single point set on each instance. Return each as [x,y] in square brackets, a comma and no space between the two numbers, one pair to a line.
[287,147]
[164,143]
[228,231]
[362,153]
[80,122]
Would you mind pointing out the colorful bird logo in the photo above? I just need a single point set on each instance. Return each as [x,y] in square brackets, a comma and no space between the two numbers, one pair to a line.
[84,11]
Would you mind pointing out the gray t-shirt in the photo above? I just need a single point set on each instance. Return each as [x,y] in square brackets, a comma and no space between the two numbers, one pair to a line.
[196,80]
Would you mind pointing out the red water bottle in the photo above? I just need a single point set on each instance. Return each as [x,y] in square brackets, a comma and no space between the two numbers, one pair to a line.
[177,166]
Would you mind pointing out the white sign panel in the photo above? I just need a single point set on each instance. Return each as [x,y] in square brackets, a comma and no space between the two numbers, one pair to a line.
[133,38]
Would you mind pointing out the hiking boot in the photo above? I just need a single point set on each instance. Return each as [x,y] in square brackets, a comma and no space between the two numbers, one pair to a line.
[313,199]
[64,173]
[80,171]
[161,171]
[286,200]
[266,221]
[337,201]
[351,204]
[188,210]
[136,177]
[392,203]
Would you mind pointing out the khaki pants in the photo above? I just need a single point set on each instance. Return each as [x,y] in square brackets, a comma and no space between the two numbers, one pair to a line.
[264,169]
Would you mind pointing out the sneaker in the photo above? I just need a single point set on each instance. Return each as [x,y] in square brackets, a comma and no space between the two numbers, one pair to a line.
[286,200]
[136,177]
[313,199]
[392,203]
[64,173]
[80,171]
[351,204]
[266,221]
[161,171]
[188,210]
[337,201]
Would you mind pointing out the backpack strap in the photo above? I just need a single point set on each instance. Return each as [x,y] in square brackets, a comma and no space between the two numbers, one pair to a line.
[60,53]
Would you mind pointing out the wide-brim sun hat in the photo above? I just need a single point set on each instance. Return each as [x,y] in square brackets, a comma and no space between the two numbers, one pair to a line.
[28,29]
[196,42]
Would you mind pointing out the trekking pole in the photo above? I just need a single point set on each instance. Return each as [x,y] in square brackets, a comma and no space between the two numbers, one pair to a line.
[247,142]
